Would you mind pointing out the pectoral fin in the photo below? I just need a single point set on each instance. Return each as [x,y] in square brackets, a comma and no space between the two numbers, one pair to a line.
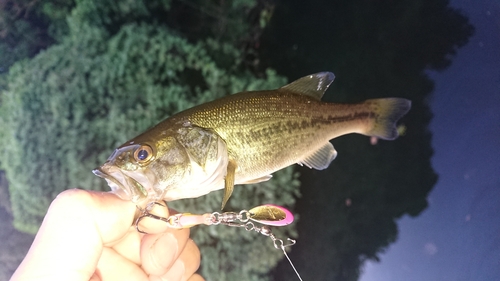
[321,158]
[229,182]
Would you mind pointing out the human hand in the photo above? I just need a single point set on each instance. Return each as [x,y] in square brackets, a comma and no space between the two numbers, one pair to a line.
[88,235]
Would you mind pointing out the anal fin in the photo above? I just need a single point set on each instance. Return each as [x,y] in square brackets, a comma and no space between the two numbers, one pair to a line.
[257,180]
[229,182]
[321,158]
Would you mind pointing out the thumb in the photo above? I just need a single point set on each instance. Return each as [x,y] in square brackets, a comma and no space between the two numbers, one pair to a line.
[71,237]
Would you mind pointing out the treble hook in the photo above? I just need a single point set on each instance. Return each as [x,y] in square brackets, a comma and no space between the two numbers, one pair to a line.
[144,213]
[176,221]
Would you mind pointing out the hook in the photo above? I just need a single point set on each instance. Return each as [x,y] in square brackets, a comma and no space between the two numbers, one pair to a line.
[144,213]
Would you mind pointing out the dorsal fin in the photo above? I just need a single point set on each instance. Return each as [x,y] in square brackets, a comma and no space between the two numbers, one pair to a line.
[313,85]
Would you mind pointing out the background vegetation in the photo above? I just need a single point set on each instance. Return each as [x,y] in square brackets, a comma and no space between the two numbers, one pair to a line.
[376,49]
[78,78]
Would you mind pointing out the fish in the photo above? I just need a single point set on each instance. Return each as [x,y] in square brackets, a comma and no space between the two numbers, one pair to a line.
[242,139]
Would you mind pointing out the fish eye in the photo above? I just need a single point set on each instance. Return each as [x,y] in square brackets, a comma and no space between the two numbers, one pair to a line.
[143,154]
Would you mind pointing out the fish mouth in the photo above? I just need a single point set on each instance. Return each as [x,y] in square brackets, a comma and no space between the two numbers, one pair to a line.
[121,184]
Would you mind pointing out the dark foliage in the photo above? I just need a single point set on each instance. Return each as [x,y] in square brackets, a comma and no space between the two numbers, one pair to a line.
[376,49]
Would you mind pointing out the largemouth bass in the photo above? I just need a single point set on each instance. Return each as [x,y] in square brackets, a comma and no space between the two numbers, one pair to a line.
[243,138]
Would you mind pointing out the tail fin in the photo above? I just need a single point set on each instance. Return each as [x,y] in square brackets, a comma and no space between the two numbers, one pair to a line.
[387,111]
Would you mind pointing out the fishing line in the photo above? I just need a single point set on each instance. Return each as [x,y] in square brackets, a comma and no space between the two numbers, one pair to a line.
[290,261]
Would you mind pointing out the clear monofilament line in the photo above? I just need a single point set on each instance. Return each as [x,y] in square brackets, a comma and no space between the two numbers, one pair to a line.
[291,263]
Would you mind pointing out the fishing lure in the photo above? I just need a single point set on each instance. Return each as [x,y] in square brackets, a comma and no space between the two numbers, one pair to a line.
[258,219]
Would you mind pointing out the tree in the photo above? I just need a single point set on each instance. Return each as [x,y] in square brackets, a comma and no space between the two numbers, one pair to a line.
[376,49]
[115,72]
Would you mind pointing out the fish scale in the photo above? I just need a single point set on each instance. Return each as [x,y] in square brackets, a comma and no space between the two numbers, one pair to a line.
[300,125]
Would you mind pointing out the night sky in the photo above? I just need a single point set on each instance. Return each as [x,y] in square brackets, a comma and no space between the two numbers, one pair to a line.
[458,236]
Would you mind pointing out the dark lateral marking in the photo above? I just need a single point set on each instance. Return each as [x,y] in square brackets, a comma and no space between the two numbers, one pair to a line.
[292,126]
[351,117]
